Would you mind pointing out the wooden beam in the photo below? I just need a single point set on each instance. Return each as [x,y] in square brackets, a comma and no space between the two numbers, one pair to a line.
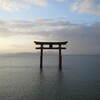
[49,48]
[48,43]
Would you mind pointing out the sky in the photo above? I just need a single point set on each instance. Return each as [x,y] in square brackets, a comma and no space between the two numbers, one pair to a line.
[24,21]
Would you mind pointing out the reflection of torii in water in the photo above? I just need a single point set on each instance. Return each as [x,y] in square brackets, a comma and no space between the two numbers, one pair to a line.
[51,46]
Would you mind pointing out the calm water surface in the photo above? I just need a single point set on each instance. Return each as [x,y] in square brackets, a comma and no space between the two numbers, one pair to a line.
[21,78]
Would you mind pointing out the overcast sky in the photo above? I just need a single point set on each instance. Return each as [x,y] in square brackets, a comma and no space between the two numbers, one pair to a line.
[24,21]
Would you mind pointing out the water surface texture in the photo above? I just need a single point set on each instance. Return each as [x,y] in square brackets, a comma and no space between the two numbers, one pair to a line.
[21,78]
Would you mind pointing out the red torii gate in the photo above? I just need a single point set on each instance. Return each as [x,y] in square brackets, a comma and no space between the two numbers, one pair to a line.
[50,46]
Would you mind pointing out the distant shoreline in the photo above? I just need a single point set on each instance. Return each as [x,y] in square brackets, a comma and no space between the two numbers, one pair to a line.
[45,53]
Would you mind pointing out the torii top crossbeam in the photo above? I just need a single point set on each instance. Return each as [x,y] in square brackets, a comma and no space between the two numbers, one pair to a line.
[50,45]
[56,43]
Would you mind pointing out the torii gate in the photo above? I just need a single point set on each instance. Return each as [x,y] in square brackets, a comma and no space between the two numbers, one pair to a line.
[50,46]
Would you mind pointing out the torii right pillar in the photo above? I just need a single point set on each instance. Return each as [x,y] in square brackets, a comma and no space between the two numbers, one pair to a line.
[60,57]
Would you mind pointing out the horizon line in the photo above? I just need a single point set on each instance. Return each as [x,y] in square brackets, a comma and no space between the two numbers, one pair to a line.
[17,53]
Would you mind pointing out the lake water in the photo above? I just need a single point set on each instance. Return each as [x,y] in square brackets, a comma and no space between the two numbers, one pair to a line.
[21,78]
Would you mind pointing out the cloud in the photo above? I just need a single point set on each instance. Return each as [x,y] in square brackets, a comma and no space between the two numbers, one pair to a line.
[82,6]
[87,6]
[10,5]
[60,0]
[37,2]
[83,38]
[9,28]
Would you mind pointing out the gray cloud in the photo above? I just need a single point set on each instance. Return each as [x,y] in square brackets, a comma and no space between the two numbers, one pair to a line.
[83,38]
[48,26]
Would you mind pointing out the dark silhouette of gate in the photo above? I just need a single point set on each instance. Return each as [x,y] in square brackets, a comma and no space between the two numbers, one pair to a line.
[50,45]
